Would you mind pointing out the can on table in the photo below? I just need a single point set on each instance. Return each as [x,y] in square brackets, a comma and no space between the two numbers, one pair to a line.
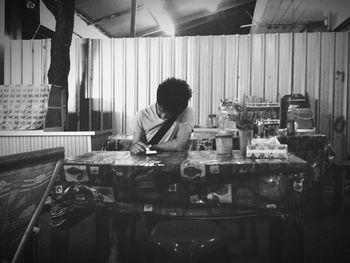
[224,143]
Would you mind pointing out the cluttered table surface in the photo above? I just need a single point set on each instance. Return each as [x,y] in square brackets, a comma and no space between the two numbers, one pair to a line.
[192,185]
[185,183]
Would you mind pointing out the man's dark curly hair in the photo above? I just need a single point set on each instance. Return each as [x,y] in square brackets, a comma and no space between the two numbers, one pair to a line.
[173,95]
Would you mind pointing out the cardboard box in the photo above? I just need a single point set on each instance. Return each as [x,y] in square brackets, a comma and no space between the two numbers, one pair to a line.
[263,153]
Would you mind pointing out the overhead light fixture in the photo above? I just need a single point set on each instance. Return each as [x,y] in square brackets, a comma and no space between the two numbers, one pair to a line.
[248,25]
[159,14]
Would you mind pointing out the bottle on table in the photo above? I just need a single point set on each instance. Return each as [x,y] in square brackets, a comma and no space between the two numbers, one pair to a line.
[290,122]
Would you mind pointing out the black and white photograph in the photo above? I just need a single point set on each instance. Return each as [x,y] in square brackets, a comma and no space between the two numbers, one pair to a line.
[174,131]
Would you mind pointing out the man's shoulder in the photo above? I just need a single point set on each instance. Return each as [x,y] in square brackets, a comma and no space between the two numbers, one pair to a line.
[188,111]
[187,115]
[148,112]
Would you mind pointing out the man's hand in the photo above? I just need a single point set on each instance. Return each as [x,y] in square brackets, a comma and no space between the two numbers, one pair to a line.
[138,148]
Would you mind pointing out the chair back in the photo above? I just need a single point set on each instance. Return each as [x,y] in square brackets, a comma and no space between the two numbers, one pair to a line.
[25,182]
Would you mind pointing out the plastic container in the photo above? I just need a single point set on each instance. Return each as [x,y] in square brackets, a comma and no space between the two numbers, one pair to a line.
[224,143]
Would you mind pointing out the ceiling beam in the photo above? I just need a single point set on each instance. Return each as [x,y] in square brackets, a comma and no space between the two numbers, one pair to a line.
[121,13]
[160,15]
[133,18]
[83,18]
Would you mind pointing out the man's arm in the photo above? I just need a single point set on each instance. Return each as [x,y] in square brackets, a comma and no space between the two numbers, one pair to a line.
[139,140]
[179,143]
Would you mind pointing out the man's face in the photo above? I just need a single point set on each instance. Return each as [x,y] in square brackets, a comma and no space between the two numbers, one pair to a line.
[162,113]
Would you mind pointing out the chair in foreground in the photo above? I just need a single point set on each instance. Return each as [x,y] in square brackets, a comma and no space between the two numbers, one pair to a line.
[25,182]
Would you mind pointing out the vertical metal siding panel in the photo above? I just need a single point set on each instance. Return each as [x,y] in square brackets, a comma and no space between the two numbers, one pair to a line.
[17,144]
[16,62]
[244,66]
[205,78]
[30,143]
[271,66]
[155,67]
[119,84]
[167,57]
[193,62]
[81,143]
[51,142]
[73,145]
[285,64]
[39,142]
[180,57]
[99,124]
[11,144]
[77,145]
[68,140]
[3,146]
[258,63]
[231,66]
[341,49]
[299,63]
[62,142]
[107,87]
[27,62]
[80,72]
[218,72]
[6,145]
[313,71]
[33,142]
[327,84]
[46,60]
[72,103]
[143,73]
[94,85]
[25,145]
[7,62]
[65,142]
[44,142]
[131,76]
[37,62]
[88,143]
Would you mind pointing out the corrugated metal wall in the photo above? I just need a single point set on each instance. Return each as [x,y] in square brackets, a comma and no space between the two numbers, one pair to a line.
[125,73]
[73,144]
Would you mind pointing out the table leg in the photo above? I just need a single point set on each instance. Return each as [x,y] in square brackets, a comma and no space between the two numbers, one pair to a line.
[102,218]
[59,243]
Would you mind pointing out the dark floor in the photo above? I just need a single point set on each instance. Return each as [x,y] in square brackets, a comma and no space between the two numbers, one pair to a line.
[326,240]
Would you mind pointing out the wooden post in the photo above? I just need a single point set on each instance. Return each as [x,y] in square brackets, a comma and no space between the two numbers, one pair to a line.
[63,11]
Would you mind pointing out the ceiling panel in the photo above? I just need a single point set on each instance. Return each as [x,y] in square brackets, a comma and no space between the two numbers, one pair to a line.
[271,16]
[190,17]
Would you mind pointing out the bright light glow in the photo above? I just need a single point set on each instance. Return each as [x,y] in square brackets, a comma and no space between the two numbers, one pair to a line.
[195,5]
[211,5]
[156,8]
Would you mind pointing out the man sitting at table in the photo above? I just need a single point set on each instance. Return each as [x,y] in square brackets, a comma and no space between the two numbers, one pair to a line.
[166,125]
